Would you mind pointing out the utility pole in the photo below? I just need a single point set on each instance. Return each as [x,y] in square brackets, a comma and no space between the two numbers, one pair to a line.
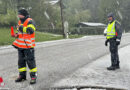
[62,19]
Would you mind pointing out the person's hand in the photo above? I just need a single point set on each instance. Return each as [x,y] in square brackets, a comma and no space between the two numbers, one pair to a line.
[117,42]
[21,28]
[106,42]
[15,35]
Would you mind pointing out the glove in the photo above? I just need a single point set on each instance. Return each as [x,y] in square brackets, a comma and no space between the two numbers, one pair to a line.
[105,34]
[117,42]
[106,42]
[15,35]
[21,28]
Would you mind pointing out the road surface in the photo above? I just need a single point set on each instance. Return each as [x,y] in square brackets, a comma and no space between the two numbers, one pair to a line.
[55,60]
[95,74]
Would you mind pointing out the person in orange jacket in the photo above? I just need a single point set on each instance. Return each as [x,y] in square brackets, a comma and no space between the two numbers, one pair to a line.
[25,44]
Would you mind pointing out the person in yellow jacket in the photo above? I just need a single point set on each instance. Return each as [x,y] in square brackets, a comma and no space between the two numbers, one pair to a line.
[25,44]
[113,36]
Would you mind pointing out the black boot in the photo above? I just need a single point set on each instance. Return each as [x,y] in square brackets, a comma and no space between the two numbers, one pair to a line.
[20,78]
[111,68]
[33,81]
[118,65]
[33,76]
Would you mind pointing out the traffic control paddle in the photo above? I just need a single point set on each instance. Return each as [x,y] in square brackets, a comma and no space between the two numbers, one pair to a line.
[12,31]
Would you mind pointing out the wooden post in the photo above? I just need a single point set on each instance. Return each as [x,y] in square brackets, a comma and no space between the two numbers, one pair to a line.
[62,19]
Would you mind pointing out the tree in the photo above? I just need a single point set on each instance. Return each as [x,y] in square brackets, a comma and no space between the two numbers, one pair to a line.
[125,9]
[107,6]
[93,6]
[9,17]
[75,13]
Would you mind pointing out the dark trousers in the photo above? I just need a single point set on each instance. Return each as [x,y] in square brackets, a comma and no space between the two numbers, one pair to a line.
[114,53]
[26,56]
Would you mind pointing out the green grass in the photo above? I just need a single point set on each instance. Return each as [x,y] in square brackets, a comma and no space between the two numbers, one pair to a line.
[6,39]
[40,37]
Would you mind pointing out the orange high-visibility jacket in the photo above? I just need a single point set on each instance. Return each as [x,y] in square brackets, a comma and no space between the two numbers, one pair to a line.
[25,40]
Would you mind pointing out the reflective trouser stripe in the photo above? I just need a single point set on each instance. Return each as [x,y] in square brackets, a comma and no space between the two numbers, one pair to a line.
[22,69]
[33,70]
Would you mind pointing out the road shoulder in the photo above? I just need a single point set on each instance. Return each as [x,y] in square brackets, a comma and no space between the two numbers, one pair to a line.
[96,74]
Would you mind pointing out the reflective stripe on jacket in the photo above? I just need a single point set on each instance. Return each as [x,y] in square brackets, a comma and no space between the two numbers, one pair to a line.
[25,40]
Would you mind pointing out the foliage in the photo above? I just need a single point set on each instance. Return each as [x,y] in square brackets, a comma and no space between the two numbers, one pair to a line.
[74,11]
[107,7]
[9,18]
[126,15]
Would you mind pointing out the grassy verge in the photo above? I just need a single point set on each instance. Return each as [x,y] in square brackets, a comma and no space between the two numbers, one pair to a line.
[6,39]
[40,37]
